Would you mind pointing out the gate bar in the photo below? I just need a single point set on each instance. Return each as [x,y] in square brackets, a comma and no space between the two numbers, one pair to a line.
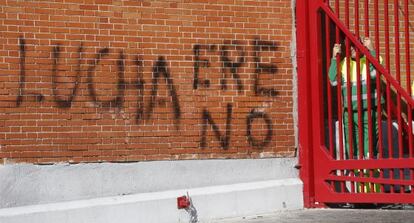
[408,71]
[339,93]
[305,136]
[398,72]
[388,90]
[328,86]
[339,101]
[359,90]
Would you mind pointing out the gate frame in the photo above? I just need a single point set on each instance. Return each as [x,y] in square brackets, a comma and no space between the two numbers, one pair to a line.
[304,109]
[305,124]
[310,95]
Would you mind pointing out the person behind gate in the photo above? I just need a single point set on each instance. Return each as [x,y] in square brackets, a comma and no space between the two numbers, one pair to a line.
[354,98]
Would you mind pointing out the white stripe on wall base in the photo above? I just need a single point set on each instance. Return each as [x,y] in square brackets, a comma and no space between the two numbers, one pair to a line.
[211,203]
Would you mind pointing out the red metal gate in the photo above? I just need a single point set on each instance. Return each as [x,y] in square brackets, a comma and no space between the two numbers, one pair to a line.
[355,107]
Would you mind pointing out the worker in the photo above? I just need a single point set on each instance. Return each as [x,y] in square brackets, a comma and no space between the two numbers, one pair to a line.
[354,98]
[355,125]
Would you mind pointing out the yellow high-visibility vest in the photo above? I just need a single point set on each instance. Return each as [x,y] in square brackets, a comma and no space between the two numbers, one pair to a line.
[353,69]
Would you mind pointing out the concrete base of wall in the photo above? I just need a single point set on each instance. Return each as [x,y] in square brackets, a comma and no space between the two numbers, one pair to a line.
[209,202]
[251,187]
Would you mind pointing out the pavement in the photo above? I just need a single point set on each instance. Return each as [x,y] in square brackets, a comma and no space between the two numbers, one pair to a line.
[328,216]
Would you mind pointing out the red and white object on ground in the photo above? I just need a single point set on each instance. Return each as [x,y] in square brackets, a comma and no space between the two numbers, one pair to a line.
[183,202]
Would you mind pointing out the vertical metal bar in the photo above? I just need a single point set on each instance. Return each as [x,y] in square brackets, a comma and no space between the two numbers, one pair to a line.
[369,115]
[389,125]
[397,67]
[376,24]
[388,89]
[348,90]
[347,13]
[356,17]
[369,96]
[369,104]
[387,38]
[408,72]
[349,106]
[407,47]
[348,86]
[306,154]
[339,88]
[410,140]
[339,97]
[379,93]
[366,13]
[328,86]
[359,94]
[358,82]
[319,25]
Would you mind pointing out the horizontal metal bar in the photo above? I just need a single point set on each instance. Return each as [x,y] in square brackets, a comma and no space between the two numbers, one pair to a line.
[370,164]
[335,197]
[371,180]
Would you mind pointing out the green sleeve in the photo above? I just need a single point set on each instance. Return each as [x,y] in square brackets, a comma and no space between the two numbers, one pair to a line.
[332,71]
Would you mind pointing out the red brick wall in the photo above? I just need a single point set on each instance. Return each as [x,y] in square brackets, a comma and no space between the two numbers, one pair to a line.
[123,80]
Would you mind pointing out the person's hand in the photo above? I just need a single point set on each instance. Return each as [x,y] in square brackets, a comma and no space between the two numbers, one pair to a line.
[366,41]
[336,49]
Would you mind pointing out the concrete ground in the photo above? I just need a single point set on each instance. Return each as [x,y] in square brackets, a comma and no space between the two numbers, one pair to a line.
[328,216]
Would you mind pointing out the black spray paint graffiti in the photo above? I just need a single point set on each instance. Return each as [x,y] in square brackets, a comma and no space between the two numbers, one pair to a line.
[119,99]
[62,103]
[199,62]
[207,119]
[225,139]
[22,76]
[139,85]
[160,69]
[121,85]
[259,46]
[252,141]
[233,65]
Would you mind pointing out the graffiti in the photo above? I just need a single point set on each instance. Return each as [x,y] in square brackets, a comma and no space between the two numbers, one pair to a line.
[207,119]
[228,64]
[199,62]
[160,69]
[139,85]
[233,65]
[62,103]
[271,68]
[22,76]
[231,55]
[119,99]
[252,141]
